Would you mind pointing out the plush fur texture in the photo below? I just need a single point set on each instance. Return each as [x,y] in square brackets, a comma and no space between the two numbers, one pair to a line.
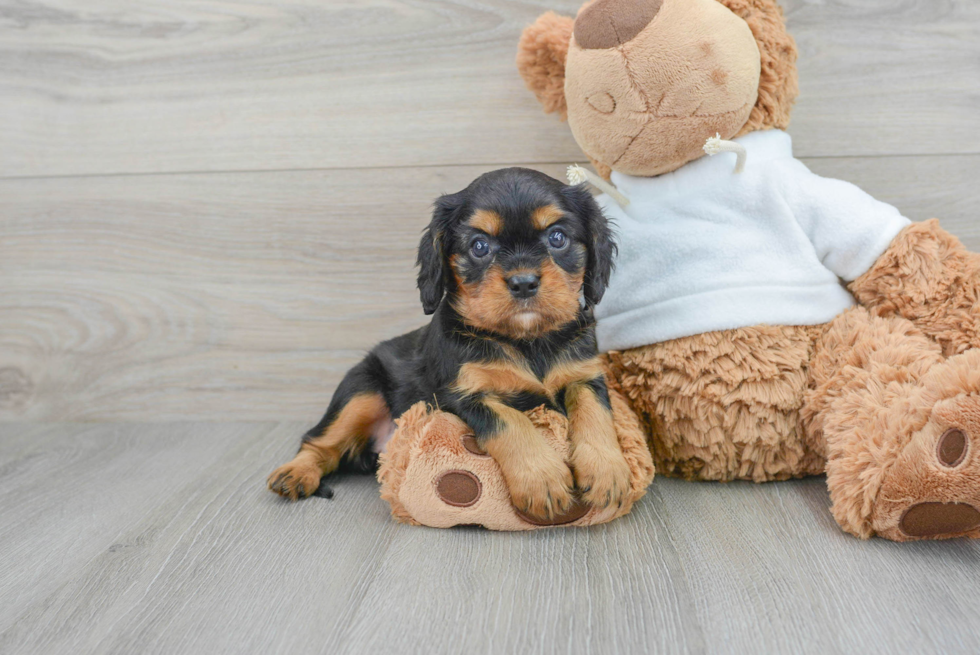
[865,398]
[929,278]
[612,23]
[723,405]
[858,411]
[881,396]
[647,106]
[541,60]
[778,81]
[429,444]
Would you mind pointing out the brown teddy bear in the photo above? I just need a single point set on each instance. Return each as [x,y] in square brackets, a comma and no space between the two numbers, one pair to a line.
[764,323]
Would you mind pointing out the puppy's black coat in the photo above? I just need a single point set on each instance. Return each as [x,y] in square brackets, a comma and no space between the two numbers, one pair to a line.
[504,268]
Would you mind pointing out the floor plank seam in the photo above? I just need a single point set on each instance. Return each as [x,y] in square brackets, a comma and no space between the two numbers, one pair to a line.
[328,169]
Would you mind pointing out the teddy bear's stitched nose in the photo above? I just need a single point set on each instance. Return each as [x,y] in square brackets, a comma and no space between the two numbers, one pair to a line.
[609,23]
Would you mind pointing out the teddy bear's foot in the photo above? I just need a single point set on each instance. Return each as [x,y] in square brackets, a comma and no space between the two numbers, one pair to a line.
[435,473]
[932,490]
[900,426]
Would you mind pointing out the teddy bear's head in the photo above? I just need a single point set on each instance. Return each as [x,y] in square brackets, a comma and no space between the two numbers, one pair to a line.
[643,83]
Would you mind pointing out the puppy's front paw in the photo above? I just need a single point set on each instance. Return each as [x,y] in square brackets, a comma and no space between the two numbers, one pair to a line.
[295,480]
[601,474]
[541,486]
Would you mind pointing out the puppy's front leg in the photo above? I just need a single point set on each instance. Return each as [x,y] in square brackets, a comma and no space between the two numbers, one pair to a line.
[601,471]
[539,481]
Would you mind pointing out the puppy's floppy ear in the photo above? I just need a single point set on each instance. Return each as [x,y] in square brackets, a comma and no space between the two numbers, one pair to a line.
[541,59]
[601,245]
[431,260]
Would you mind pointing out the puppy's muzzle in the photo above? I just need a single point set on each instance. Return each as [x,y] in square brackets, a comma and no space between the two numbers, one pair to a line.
[524,285]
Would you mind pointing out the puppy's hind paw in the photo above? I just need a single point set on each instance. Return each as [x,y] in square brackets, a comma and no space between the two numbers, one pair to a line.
[324,490]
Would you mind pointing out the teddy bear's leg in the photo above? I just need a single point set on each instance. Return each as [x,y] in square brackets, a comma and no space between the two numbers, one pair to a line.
[723,405]
[435,473]
[929,278]
[900,426]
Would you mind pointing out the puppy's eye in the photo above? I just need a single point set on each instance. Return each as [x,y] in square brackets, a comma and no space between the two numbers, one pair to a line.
[557,239]
[480,248]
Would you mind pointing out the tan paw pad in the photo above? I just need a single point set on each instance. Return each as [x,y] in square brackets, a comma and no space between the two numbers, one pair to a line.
[952,448]
[458,488]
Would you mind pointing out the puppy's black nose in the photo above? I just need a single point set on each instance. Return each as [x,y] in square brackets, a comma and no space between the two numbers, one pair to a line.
[524,285]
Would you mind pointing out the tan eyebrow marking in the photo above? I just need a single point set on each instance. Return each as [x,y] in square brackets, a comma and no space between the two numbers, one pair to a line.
[488,221]
[542,217]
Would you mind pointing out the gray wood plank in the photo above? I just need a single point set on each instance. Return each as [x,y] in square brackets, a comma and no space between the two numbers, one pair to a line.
[886,78]
[737,568]
[15,437]
[248,295]
[118,87]
[616,588]
[767,565]
[214,563]
[68,493]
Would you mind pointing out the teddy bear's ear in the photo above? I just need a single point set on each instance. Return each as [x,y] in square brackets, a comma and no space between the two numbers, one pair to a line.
[778,86]
[541,59]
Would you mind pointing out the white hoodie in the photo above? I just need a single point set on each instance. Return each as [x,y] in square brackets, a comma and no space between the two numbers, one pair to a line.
[704,248]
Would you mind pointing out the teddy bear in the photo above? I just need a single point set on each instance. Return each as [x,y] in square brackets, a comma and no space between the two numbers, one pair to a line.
[762,322]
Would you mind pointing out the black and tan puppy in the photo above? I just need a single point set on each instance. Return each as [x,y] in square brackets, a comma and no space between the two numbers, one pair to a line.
[505,266]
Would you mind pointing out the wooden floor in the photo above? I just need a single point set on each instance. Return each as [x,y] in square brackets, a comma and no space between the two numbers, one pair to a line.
[159,538]
[209,210]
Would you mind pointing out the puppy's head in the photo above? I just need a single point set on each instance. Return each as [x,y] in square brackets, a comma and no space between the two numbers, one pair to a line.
[514,251]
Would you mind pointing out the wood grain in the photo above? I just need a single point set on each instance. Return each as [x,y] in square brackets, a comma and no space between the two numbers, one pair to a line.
[766,563]
[615,588]
[248,295]
[214,550]
[166,86]
[189,553]
[69,492]
[886,78]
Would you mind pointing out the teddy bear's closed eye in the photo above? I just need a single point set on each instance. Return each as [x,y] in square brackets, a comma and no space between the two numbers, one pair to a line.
[603,102]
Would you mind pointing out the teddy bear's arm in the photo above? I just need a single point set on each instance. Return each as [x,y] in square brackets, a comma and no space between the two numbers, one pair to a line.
[848,228]
[917,271]
[928,277]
